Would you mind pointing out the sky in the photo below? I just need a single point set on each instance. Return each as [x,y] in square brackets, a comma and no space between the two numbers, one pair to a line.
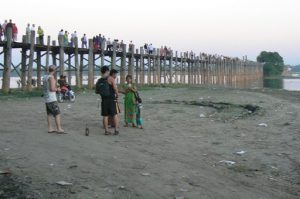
[227,27]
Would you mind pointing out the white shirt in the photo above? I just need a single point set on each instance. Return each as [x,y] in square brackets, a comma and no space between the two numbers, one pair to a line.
[33,28]
[28,30]
[49,96]
[4,26]
[74,35]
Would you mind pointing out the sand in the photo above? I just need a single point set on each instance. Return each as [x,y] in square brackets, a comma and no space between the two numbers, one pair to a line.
[178,153]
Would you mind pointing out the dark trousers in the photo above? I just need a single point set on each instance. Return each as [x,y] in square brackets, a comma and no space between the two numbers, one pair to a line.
[41,38]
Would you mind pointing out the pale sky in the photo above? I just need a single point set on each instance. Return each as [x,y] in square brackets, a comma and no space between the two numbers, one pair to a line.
[228,27]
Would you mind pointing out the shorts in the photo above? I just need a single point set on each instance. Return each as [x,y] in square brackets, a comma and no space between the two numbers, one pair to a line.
[52,109]
[109,107]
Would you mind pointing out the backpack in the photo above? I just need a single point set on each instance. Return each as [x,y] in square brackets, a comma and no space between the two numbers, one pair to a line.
[102,87]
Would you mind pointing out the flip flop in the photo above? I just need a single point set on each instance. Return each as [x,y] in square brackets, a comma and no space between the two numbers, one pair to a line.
[61,132]
[51,131]
[107,133]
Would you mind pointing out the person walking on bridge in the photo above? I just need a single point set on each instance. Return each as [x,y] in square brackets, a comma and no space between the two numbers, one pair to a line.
[1,32]
[41,35]
[84,41]
[4,29]
[28,33]
[15,32]
[49,93]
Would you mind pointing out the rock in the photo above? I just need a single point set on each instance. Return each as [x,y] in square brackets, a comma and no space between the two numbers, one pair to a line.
[240,152]
[122,187]
[263,125]
[145,174]
[202,116]
[229,163]
[64,183]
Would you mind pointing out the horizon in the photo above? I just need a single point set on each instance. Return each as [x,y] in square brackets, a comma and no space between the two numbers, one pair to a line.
[215,27]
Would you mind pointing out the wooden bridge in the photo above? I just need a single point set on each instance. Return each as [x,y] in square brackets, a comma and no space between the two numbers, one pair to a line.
[174,68]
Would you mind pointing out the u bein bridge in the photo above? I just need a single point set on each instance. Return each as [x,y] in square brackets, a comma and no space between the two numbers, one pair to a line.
[151,69]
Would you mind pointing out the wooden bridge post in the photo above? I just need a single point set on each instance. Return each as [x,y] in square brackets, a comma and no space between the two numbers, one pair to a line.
[69,69]
[123,65]
[7,61]
[184,69]
[91,65]
[208,63]
[189,69]
[47,54]
[30,64]
[114,55]
[131,62]
[194,69]
[155,66]
[102,55]
[201,69]
[165,68]
[158,59]
[61,54]
[198,70]
[54,60]
[149,70]
[171,68]
[23,65]
[81,70]
[181,68]
[176,67]
[77,68]
[142,66]
[137,68]
[39,69]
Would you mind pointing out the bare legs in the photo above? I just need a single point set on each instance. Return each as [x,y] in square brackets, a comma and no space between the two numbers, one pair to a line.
[57,122]
[105,123]
[116,124]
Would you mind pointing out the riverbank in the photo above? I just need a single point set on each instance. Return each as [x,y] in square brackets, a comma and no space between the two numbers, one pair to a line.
[189,135]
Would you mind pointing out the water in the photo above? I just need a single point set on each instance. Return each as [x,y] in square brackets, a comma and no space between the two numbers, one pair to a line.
[290,84]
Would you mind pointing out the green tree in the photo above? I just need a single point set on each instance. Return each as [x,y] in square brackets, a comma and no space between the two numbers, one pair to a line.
[273,63]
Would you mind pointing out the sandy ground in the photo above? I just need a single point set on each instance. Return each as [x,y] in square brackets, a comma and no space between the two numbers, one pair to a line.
[178,153]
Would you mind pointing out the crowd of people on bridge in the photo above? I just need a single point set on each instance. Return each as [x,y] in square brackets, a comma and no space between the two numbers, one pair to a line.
[5,26]
[100,42]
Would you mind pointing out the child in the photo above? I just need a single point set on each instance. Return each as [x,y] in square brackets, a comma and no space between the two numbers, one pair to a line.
[139,120]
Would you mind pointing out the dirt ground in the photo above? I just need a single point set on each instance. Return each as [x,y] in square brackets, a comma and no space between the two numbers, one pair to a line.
[188,132]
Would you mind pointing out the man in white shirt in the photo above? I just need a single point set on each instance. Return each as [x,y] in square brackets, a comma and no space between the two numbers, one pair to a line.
[60,33]
[28,33]
[4,29]
[33,27]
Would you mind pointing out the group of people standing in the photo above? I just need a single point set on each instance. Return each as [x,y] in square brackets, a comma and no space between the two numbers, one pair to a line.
[107,88]
[66,41]
[40,33]
[109,92]
[3,30]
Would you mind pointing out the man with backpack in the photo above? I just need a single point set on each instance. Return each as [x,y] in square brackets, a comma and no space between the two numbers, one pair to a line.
[108,90]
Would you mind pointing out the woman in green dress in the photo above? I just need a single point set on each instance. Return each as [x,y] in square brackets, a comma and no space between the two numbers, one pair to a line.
[130,103]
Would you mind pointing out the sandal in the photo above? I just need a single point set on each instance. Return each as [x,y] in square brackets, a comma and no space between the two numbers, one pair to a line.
[107,133]
[61,132]
[51,131]
[116,133]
